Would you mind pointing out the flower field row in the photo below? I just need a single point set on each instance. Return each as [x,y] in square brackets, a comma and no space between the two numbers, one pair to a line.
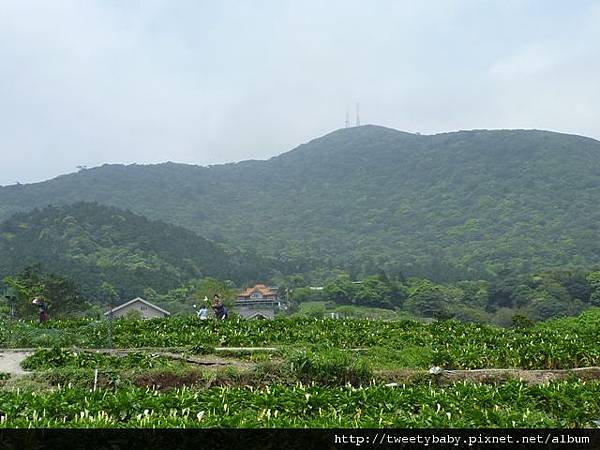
[61,358]
[563,343]
[564,404]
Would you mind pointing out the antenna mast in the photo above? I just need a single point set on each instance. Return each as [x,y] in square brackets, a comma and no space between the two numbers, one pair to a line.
[357,114]
[347,119]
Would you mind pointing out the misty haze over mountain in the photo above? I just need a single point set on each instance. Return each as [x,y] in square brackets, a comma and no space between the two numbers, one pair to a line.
[88,83]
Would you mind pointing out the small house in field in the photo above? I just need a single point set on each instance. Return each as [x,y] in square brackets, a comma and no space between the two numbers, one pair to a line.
[258,302]
[138,306]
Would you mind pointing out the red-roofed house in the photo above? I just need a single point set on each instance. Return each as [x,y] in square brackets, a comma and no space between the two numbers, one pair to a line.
[259,301]
[260,292]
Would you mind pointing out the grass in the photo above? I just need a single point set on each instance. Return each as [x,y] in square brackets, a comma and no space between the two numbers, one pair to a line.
[407,357]
[330,367]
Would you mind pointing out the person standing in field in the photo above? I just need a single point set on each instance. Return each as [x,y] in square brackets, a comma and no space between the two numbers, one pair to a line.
[203,313]
[42,309]
[221,312]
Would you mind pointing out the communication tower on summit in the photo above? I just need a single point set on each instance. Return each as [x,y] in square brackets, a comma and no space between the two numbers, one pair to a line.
[358,114]
[347,119]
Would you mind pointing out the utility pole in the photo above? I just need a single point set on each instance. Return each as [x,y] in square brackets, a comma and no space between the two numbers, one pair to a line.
[357,114]
[110,324]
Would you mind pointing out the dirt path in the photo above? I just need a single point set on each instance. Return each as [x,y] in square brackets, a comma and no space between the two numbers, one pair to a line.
[10,361]
[530,376]
[399,376]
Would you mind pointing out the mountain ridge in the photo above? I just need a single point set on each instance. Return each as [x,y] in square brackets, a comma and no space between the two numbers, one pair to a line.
[300,147]
[370,198]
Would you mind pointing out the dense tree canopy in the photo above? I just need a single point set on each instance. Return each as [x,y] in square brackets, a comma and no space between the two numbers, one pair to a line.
[543,295]
[99,246]
[61,295]
[465,205]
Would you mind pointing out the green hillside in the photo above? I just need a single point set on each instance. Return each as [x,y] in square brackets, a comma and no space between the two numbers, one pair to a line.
[457,205]
[92,243]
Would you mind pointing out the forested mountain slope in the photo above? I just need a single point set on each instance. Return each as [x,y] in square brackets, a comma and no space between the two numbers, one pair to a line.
[91,244]
[453,205]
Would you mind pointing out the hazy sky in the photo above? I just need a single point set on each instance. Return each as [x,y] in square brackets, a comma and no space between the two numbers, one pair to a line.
[85,82]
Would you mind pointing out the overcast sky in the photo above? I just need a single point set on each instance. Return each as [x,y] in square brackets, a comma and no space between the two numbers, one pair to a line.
[86,82]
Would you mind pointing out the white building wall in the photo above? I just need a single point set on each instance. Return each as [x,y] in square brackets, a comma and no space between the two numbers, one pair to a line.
[269,313]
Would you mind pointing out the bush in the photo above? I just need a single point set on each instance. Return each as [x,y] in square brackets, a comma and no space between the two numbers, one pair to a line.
[47,358]
[133,315]
[330,367]
[521,321]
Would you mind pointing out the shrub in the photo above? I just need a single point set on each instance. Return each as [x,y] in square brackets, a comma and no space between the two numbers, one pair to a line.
[330,367]
[521,321]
